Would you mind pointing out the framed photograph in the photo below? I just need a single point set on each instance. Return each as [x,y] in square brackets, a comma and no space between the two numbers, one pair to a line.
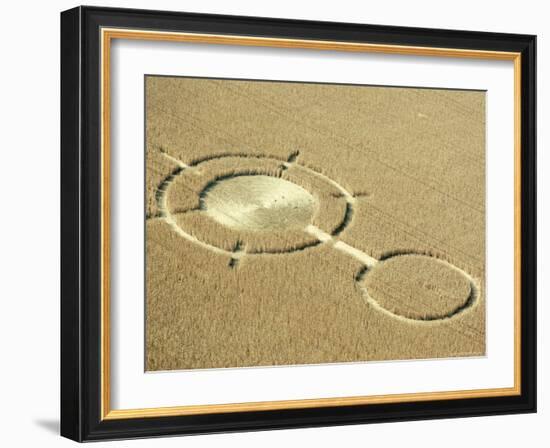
[273,223]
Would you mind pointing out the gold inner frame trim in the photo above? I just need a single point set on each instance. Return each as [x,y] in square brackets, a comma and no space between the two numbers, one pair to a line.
[107,35]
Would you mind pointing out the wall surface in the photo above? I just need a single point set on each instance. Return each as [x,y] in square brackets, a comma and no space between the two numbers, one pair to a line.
[29,240]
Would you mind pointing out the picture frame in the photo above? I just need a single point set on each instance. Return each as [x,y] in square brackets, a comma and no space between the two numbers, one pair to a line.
[87,36]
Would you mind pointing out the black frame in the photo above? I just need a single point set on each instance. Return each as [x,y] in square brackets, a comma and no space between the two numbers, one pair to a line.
[81,224]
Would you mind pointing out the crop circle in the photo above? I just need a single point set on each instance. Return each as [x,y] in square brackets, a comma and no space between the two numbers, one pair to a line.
[419,287]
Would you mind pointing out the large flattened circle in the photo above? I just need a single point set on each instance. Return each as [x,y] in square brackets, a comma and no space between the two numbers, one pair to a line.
[276,204]
[419,287]
[258,203]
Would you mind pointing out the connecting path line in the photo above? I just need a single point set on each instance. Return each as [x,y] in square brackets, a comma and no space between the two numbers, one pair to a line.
[359,255]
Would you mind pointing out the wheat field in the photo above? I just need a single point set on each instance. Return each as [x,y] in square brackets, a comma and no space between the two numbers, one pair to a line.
[297,223]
